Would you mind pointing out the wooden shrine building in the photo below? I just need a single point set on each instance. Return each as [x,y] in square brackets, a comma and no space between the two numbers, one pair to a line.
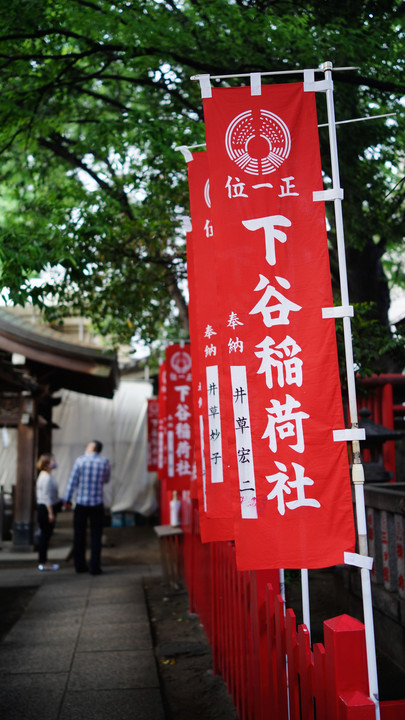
[35,362]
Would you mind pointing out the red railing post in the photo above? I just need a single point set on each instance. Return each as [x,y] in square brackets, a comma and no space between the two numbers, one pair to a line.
[281,658]
[228,619]
[392,710]
[214,609]
[234,630]
[249,650]
[262,692]
[255,640]
[272,648]
[319,681]
[242,662]
[356,706]
[305,671]
[221,614]
[346,662]
[292,656]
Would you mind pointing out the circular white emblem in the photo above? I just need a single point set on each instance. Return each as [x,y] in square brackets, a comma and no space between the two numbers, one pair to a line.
[181,362]
[258,142]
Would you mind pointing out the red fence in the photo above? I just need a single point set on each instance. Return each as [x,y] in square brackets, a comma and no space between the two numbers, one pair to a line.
[267,663]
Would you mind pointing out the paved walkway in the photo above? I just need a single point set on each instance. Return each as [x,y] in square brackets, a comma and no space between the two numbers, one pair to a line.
[82,648]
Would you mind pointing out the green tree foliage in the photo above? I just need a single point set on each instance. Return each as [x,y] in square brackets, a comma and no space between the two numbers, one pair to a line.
[96,95]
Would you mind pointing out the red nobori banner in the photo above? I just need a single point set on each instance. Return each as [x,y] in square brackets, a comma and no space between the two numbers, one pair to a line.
[279,361]
[180,431]
[214,490]
[198,474]
[162,423]
[153,434]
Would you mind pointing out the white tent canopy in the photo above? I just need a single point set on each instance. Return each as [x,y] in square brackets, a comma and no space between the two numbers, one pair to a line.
[120,424]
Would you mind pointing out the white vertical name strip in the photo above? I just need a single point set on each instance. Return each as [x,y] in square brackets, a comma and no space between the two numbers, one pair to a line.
[170,453]
[214,424]
[243,437]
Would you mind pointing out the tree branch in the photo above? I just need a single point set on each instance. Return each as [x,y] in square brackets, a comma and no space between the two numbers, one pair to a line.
[57,146]
[108,100]
[384,85]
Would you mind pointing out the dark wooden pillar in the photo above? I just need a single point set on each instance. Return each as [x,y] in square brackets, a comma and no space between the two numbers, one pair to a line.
[26,474]
[45,425]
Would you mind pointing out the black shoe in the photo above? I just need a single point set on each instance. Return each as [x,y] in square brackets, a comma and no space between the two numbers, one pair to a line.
[82,569]
[97,571]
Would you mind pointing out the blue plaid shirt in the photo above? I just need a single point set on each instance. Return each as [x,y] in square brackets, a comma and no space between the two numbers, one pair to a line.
[88,476]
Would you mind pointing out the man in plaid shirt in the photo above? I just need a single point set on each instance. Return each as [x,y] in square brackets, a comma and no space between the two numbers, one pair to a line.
[89,474]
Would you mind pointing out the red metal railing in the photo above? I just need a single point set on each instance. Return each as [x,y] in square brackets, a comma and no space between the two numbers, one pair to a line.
[266,661]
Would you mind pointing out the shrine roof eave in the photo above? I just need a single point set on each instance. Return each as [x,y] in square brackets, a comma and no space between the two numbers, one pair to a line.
[72,366]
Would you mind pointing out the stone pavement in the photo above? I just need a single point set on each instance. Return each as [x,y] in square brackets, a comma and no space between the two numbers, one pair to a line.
[83,647]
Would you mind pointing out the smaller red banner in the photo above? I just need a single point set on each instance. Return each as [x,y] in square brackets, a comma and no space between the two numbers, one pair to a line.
[180,436]
[213,473]
[162,424]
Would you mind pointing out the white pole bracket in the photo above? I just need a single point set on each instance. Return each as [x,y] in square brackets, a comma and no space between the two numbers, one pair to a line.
[312,85]
[255,83]
[185,152]
[358,477]
[340,311]
[361,561]
[187,225]
[205,85]
[332,194]
[349,435]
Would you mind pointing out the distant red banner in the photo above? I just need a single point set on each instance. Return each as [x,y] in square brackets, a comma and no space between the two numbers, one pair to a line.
[162,423]
[153,434]
[180,436]
[215,507]
[279,371]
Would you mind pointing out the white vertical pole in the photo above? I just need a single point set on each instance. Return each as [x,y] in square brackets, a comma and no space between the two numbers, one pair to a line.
[281,576]
[357,468]
[282,585]
[306,613]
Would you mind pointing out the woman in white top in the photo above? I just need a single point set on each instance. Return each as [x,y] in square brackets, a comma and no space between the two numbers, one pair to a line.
[47,497]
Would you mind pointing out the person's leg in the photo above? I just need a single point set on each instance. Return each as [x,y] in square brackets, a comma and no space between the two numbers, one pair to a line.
[43,523]
[79,539]
[96,531]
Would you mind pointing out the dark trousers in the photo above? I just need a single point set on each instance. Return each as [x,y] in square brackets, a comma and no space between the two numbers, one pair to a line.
[46,529]
[82,513]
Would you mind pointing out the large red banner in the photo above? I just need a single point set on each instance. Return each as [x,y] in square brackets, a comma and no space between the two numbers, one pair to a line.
[179,417]
[213,476]
[279,370]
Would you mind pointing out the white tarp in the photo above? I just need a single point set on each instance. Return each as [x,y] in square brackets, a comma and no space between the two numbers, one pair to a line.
[120,424]
[8,458]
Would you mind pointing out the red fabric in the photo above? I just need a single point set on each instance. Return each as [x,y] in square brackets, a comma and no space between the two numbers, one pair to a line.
[162,444]
[165,497]
[179,417]
[213,484]
[153,434]
[196,477]
[278,374]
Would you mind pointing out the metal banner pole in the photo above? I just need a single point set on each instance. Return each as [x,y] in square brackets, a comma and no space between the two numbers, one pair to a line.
[362,560]
[306,612]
